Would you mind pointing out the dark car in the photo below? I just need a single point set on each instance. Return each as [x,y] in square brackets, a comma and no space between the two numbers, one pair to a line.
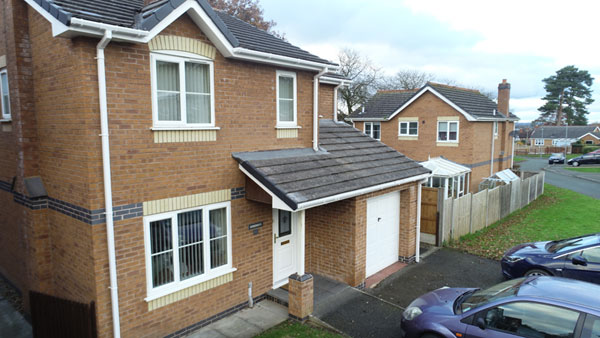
[584,159]
[577,258]
[556,158]
[537,306]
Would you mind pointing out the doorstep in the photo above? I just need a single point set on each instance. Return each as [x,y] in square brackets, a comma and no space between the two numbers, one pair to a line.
[323,288]
[375,279]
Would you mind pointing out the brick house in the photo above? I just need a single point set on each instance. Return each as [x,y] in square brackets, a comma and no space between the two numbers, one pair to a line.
[462,125]
[592,138]
[560,136]
[201,135]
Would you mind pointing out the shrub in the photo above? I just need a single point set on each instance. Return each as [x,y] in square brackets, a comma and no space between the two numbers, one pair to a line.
[589,149]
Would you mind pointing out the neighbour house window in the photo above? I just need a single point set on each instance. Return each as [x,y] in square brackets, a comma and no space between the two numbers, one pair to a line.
[408,128]
[556,142]
[589,142]
[539,141]
[184,248]
[448,131]
[182,91]
[286,99]
[5,97]
[373,129]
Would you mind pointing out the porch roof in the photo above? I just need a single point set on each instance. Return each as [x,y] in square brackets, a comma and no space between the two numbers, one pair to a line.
[348,164]
[442,167]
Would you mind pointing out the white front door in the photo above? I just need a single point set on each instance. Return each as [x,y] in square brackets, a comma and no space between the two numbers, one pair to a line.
[383,232]
[285,240]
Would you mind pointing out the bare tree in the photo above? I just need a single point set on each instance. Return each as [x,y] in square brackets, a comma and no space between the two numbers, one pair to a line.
[364,76]
[405,79]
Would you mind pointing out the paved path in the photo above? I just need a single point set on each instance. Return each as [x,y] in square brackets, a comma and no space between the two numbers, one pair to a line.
[557,175]
[12,323]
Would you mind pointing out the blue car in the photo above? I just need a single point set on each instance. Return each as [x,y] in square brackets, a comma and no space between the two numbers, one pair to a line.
[577,258]
[538,306]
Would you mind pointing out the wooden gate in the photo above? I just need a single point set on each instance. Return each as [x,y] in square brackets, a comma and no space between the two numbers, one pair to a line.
[429,211]
[57,317]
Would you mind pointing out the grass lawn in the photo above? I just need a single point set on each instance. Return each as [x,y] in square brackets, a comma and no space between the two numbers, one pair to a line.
[289,329]
[518,159]
[558,213]
[586,170]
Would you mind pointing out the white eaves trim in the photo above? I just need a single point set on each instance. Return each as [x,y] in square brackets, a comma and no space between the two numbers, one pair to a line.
[592,135]
[277,202]
[366,119]
[334,81]
[198,15]
[468,116]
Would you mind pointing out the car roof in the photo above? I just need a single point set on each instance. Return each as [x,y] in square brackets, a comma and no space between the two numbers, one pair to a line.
[562,289]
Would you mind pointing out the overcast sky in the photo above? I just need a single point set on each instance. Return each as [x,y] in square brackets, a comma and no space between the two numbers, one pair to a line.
[475,43]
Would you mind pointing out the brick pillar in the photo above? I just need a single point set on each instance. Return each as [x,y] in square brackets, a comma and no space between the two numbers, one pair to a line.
[408,224]
[300,296]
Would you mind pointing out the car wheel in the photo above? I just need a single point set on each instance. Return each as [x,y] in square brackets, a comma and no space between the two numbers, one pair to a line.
[537,272]
[575,164]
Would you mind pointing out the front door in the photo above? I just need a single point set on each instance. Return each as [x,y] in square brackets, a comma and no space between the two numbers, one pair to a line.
[285,253]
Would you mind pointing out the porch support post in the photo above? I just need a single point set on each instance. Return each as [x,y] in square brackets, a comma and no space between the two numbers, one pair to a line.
[301,242]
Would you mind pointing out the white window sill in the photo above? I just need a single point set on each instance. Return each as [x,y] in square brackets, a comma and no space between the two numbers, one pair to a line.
[5,120]
[288,127]
[184,128]
[185,284]
[447,144]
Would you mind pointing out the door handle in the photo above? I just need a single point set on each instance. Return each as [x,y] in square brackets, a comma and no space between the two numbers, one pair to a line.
[274,238]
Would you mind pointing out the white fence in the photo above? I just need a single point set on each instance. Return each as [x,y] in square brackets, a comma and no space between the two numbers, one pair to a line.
[474,212]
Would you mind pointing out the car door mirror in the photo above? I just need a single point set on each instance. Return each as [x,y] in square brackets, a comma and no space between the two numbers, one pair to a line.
[480,322]
[578,260]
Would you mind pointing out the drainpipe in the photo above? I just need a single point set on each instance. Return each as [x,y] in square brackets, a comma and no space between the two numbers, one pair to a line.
[110,235]
[492,160]
[512,157]
[335,99]
[316,109]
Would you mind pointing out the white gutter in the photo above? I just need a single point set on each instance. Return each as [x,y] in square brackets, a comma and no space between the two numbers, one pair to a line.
[492,163]
[354,193]
[108,202]
[316,109]
[86,26]
[418,237]
[249,54]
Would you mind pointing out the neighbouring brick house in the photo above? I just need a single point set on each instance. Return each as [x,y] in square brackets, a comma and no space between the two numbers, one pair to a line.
[200,133]
[548,137]
[462,125]
[592,138]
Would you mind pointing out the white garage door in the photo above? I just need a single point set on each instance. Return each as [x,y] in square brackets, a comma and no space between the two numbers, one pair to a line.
[383,230]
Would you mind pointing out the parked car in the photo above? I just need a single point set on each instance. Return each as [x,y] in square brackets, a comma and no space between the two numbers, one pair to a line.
[556,158]
[584,159]
[537,306]
[577,258]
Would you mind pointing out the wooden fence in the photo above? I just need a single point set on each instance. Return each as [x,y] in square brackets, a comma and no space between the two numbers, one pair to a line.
[56,317]
[474,212]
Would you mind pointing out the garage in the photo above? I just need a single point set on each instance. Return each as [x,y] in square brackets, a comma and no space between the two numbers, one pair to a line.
[383,231]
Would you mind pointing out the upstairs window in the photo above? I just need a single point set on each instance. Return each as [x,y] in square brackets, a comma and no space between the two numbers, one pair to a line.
[5,96]
[373,129]
[182,91]
[447,131]
[408,128]
[286,99]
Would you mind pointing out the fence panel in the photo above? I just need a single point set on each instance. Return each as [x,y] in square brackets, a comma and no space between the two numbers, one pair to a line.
[57,317]
[515,196]
[461,216]
[493,206]
[525,192]
[504,201]
[478,210]
[532,188]
[540,185]
[447,219]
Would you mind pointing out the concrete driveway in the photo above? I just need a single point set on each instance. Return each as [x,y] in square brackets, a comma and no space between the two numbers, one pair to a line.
[377,312]
[557,175]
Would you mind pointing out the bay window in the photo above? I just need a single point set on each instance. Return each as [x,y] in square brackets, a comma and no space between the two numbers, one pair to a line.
[447,131]
[373,129]
[410,128]
[286,99]
[184,248]
[182,91]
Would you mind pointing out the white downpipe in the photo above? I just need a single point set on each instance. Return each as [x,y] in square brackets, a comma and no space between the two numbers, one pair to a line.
[492,160]
[110,235]
[335,99]
[512,157]
[418,237]
[316,109]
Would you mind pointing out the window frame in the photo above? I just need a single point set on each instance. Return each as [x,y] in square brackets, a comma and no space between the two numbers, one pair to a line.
[180,58]
[287,124]
[407,128]
[370,134]
[208,274]
[5,116]
[448,132]
[536,143]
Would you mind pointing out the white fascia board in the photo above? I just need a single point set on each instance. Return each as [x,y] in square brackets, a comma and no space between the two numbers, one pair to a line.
[354,193]
[366,119]
[58,27]
[468,116]
[280,60]
[334,81]
[277,203]
[592,135]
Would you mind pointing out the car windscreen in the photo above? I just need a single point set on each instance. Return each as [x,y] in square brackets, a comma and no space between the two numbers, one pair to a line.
[482,297]
[556,155]
[571,243]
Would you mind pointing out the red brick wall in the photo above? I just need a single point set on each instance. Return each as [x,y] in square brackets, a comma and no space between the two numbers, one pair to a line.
[326,101]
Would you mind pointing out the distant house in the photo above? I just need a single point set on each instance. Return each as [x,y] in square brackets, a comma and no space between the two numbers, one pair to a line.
[560,136]
[592,138]
[462,125]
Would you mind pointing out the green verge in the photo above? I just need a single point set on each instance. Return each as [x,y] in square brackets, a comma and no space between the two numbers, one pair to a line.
[585,170]
[558,213]
[294,329]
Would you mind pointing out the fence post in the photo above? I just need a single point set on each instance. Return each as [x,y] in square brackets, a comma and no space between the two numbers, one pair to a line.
[543,173]
[536,187]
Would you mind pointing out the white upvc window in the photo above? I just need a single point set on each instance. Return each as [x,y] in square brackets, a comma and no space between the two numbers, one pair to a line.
[182,91]
[408,128]
[287,115]
[4,95]
[373,129]
[539,141]
[187,247]
[447,131]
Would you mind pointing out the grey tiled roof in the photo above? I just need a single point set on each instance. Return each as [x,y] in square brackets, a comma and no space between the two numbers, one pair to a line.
[553,132]
[349,161]
[133,14]
[385,103]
